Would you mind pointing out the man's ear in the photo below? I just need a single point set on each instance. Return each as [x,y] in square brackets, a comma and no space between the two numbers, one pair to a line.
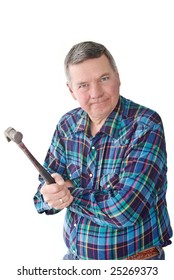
[71,91]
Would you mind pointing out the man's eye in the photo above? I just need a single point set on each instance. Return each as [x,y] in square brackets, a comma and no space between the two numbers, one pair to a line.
[105,78]
[83,86]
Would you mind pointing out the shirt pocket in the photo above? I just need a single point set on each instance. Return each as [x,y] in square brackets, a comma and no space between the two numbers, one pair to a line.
[108,181]
[74,174]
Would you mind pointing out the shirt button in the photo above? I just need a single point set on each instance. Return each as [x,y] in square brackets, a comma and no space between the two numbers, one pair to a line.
[108,186]
[90,175]
[93,147]
[75,225]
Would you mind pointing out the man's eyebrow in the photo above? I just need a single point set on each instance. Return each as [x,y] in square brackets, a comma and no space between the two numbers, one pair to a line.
[81,83]
[104,74]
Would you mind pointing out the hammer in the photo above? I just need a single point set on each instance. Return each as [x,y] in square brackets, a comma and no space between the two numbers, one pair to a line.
[12,135]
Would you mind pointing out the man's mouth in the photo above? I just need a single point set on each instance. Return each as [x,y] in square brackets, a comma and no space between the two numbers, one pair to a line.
[99,102]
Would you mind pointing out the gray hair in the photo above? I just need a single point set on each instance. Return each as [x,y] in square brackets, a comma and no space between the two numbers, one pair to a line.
[86,50]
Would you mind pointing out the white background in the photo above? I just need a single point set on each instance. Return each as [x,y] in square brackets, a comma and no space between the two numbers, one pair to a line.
[35,36]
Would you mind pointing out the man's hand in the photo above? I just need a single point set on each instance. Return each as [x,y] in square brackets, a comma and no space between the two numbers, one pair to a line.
[57,195]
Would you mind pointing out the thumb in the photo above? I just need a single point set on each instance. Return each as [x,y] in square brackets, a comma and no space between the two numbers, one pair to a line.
[58,179]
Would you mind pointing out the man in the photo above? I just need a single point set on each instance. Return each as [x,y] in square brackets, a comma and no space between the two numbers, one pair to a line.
[108,158]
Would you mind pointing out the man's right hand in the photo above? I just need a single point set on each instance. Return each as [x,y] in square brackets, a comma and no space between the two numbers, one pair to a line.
[57,195]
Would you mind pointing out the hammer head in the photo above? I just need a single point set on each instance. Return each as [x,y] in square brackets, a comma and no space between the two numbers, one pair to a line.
[12,135]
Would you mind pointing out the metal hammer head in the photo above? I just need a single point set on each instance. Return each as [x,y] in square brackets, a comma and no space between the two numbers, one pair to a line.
[12,134]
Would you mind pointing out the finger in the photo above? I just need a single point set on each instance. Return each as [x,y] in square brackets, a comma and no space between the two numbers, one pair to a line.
[58,179]
[52,193]
[65,204]
[54,199]
[60,204]
[51,189]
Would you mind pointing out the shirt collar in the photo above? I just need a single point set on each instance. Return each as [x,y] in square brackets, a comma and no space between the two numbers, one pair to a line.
[112,123]
[83,123]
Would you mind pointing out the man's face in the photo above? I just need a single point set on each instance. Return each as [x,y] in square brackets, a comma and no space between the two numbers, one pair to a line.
[95,85]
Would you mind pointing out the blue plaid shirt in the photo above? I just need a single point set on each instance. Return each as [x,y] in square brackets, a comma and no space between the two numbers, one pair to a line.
[119,182]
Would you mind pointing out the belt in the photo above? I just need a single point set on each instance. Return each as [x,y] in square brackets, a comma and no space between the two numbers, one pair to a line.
[145,254]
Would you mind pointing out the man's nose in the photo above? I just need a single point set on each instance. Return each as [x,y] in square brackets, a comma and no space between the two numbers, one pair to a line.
[96,90]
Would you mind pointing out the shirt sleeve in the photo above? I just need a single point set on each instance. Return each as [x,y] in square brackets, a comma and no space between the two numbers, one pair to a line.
[142,179]
[54,163]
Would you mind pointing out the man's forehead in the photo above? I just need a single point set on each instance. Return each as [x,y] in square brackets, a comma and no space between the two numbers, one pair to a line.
[91,67]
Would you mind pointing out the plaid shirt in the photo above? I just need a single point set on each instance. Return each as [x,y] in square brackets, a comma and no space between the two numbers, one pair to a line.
[119,179]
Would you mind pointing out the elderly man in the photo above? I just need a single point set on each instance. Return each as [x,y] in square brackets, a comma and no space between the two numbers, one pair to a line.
[108,159]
